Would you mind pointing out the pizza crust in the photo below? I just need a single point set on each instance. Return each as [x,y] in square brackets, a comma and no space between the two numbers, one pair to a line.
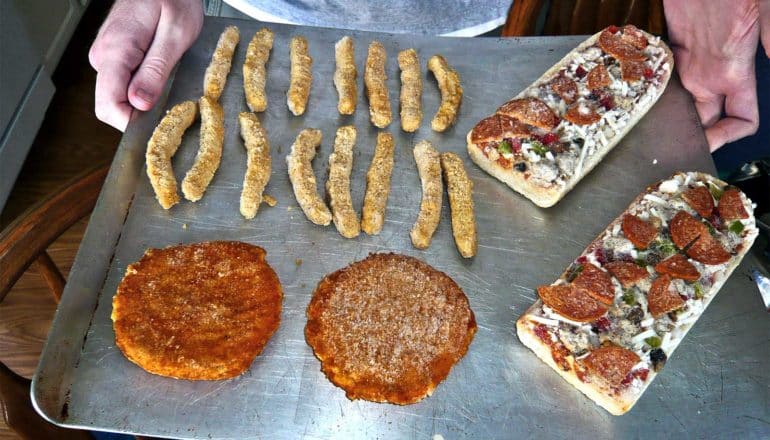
[620,404]
[540,195]
[615,405]
[547,196]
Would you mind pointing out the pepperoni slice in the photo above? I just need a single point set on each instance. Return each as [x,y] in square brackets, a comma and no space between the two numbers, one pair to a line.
[581,113]
[678,267]
[530,111]
[640,232]
[497,127]
[699,198]
[685,229]
[631,70]
[661,300]
[633,36]
[598,77]
[566,88]
[611,362]
[614,45]
[692,235]
[596,283]
[626,272]
[486,130]
[731,205]
[707,250]
[513,128]
[571,302]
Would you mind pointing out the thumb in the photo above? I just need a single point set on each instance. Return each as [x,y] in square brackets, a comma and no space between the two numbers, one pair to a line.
[177,30]
[151,76]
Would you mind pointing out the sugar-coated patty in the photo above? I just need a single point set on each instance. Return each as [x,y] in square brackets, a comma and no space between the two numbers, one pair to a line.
[201,311]
[389,328]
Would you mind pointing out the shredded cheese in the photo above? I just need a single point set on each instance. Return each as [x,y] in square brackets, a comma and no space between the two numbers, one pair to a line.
[639,339]
[655,199]
[542,320]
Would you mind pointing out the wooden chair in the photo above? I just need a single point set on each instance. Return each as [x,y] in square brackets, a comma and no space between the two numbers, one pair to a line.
[22,244]
[580,17]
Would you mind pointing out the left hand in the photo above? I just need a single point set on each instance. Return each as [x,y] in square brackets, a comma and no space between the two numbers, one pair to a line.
[715,44]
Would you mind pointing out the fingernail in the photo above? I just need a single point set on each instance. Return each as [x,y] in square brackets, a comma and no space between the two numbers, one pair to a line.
[145,96]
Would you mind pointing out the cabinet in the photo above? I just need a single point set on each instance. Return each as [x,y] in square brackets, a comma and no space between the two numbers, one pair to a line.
[33,36]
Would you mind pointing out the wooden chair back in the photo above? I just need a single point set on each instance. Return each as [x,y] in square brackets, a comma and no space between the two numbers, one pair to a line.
[582,17]
[23,243]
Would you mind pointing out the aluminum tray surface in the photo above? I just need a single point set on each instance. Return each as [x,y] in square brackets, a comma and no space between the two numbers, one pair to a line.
[716,383]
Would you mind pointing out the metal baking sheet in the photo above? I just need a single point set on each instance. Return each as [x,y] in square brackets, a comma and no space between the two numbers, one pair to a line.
[715,384]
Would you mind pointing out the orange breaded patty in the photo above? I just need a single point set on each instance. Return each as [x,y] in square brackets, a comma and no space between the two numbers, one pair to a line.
[201,311]
[389,328]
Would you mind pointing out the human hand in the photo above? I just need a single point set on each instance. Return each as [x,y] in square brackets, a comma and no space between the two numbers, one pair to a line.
[715,44]
[135,50]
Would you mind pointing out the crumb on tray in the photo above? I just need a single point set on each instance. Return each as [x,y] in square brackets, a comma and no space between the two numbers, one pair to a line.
[270,200]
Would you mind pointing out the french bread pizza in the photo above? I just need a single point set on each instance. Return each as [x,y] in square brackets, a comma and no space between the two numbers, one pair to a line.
[547,138]
[619,311]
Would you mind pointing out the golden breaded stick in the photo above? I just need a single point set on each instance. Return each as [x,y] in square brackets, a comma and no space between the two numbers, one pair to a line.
[302,178]
[258,163]
[429,167]
[460,190]
[338,184]
[451,92]
[301,76]
[378,185]
[254,70]
[411,90]
[161,148]
[216,74]
[212,138]
[376,87]
[345,76]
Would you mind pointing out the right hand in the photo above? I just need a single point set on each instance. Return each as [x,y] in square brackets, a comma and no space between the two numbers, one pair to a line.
[135,50]
[715,43]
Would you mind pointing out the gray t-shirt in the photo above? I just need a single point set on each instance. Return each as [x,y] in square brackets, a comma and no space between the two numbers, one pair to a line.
[427,17]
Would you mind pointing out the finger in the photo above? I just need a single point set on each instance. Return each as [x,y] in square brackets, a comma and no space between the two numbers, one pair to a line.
[176,32]
[111,103]
[764,24]
[126,34]
[707,104]
[709,109]
[110,100]
[742,116]
[728,130]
